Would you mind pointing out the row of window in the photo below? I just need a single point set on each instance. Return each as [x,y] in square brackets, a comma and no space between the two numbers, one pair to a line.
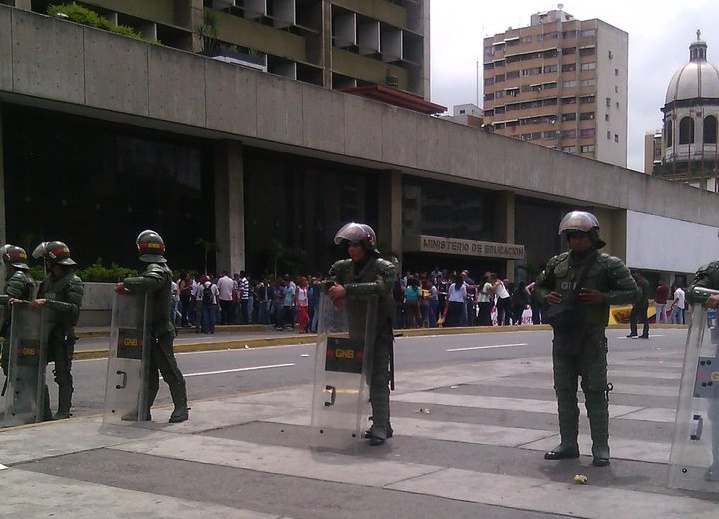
[534,71]
[538,103]
[546,54]
[554,35]
[687,134]
[589,148]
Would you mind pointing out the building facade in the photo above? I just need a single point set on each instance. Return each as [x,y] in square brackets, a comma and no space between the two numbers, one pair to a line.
[691,116]
[560,83]
[331,43]
[103,136]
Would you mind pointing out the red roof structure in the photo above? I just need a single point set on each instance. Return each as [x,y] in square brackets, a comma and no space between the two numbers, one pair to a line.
[396,97]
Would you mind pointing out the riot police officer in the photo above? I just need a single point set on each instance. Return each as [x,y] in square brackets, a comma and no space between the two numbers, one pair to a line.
[61,293]
[707,276]
[586,282]
[157,278]
[366,273]
[19,285]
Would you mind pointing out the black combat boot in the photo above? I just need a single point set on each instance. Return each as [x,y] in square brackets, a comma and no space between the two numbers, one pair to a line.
[598,414]
[64,402]
[179,398]
[568,430]
[47,413]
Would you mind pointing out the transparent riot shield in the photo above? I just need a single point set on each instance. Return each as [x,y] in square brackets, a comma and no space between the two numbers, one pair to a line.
[345,341]
[128,360]
[694,458]
[25,392]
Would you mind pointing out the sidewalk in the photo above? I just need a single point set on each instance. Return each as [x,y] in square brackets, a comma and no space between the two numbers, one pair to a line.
[468,443]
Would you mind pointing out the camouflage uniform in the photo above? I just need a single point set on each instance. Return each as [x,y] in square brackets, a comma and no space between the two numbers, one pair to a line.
[582,351]
[375,277]
[708,277]
[19,286]
[157,278]
[63,297]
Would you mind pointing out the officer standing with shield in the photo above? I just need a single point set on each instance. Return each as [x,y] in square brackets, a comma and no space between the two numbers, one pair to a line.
[366,273]
[61,293]
[157,279]
[19,286]
[582,283]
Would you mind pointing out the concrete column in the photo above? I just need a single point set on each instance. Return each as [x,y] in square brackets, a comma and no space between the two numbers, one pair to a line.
[3,231]
[188,14]
[229,206]
[613,230]
[326,44]
[26,5]
[390,211]
[504,218]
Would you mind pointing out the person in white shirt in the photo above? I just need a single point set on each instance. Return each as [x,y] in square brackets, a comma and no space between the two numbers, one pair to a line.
[677,307]
[456,297]
[225,285]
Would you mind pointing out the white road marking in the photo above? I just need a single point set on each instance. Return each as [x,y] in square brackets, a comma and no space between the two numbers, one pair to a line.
[253,368]
[488,347]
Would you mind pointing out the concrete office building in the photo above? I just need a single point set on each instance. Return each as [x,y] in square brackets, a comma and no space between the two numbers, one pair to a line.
[331,43]
[560,83]
[103,136]
[691,115]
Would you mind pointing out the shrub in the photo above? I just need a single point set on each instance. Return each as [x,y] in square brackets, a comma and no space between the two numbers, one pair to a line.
[112,274]
[85,16]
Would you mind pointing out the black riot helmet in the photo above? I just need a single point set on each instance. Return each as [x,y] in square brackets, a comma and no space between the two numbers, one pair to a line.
[581,221]
[54,252]
[15,256]
[151,247]
[358,233]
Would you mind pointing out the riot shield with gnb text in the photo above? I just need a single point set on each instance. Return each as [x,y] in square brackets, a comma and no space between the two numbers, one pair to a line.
[345,341]
[694,459]
[128,360]
[25,394]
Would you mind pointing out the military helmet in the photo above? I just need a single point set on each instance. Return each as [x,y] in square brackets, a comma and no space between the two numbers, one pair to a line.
[151,247]
[358,233]
[15,256]
[581,221]
[55,252]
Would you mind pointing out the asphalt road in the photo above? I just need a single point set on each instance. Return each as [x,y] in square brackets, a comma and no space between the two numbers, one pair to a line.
[223,373]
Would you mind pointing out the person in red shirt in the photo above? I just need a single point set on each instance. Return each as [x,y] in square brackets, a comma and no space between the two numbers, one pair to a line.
[660,303]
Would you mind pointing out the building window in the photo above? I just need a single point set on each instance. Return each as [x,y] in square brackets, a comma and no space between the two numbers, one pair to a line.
[587,132]
[525,39]
[569,50]
[513,74]
[609,101]
[586,116]
[606,117]
[569,67]
[588,33]
[586,100]
[616,89]
[569,100]
[569,84]
[550,68]
[569,133]
[569,149]
[488,81]
[616,71]
[710,129]
[489,97]
[588,51]
[589,66]
[616,138]
[569,117]
[499,78]
[589,148]
[588,82]
[569,34]
[609,134]
[686,130]
[669,133]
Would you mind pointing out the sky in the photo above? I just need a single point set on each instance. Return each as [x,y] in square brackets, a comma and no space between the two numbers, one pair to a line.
[659,38]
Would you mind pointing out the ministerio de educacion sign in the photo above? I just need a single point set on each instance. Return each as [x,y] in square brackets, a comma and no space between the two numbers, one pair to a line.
[455,246]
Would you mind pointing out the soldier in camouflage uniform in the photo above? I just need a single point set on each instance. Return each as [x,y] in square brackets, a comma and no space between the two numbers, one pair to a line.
[366,273]
[157,278]
[61,293]
[708,277]
[19,286]
[582,350]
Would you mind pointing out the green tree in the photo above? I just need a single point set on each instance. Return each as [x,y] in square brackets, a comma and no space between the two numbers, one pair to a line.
[207,247]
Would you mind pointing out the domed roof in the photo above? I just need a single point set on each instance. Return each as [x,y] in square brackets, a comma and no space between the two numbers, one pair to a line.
[698,78]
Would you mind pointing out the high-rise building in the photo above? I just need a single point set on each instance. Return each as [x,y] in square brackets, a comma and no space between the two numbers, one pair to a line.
[339,44]
[561,83]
